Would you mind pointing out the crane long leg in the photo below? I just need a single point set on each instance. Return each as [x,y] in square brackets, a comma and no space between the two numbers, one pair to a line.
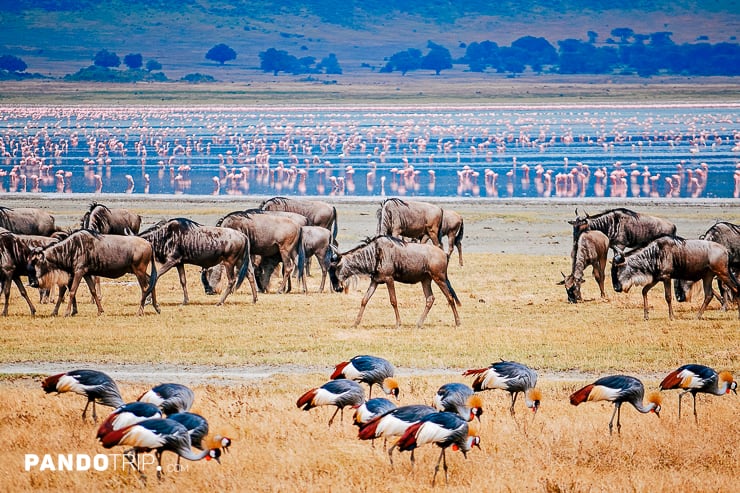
[513,401]
[680,396]
[333,416]
[159,464]
[611,421]
[436,467]
[84,411]
[696,417]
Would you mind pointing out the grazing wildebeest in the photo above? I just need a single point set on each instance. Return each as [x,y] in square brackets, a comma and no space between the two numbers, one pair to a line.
[84,254]
[411,219]
[316,243]
[269,235]
[316,212]
[728,235]
[387,259]
[453,228]
[181,241]
[592,249]
[14,256]
[625,228]
[27,221]
[673,258]
[105,220]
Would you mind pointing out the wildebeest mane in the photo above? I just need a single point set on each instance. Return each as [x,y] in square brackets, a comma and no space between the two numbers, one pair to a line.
[185,224]
[628,212]
[383,218]
[734,227]
[245,214]
[274,200]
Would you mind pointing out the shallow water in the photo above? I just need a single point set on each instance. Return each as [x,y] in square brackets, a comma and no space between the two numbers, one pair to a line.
[677,150]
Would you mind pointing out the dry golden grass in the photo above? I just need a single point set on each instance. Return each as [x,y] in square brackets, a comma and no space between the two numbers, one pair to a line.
[512,309]
[280,448]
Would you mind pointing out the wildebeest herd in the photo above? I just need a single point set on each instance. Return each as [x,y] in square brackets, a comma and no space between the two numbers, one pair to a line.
[656,254]
[251,244]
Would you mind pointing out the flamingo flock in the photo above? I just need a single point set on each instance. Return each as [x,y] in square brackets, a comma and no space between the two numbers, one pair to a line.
[629,152]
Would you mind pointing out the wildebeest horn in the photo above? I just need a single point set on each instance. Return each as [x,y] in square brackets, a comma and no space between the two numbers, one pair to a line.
[560,283]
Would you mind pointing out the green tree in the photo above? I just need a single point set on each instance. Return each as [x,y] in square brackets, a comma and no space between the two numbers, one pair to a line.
[134,61]
[152,65]
[272,60]
[12,63]
[107,59]
[330,64]
[623,33]
[437,59]
[221,53]
[404,61]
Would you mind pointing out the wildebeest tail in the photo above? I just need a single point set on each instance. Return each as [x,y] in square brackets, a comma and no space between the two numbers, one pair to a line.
[246,264]
[734,279]
[453,293]
[459,235]
[152,277]
[439,227]
[301,255]
[335,228]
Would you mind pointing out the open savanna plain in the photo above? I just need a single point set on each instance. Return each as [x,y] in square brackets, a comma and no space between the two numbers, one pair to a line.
[249,363]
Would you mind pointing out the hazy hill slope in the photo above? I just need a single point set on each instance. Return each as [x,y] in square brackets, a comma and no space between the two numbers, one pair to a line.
[60,36]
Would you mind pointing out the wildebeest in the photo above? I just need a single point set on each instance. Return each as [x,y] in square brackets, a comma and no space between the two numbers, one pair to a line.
[673,258]
[411,219]
[316,243]
[453,228]
[14,256]
[105,220]
[387,259]
[27,221]
[316,212]
[181,241]
[591,250]
[728,235]
[625,228]
[269,235]
[84,254]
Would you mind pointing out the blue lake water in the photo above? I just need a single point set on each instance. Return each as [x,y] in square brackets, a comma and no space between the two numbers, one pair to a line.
[681,150]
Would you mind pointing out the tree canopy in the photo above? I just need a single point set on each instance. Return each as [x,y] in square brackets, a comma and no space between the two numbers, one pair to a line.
[221,53]
[12,63]
[134,61]
[106,59]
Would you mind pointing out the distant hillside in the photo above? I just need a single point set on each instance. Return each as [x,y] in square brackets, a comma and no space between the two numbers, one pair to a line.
[58,37]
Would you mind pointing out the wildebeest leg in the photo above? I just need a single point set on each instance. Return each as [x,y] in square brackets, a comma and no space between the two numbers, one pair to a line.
[729,284]
[230,285]
[73,292]
[365,299]
[668,297]
[450,299]
[426,285]
[91,285]
[708,295]
[22,289]
[288,266]
[645,290]
[599,275]
[394,300]
[324,269]
[184,283]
